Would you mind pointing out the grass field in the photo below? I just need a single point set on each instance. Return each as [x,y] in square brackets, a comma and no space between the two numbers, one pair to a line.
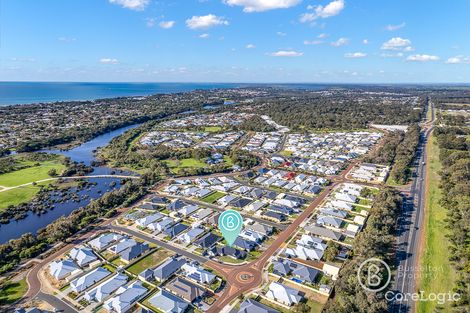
[185,163]
[31,174]
[18,195]
[13,291]
[212,129]
[434,254]
[150,261]
[213,197]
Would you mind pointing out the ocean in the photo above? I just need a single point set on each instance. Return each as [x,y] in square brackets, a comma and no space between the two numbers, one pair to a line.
[45,92]
[35,92]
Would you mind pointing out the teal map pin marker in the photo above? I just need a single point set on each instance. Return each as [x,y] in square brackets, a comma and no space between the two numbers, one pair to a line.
[230,224]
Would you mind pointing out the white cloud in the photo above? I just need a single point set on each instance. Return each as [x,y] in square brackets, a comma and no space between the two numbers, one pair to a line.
[459,59]
[150,21]
[66,39]
[392,28]
[321,36]
[392,55]
[312,42]
[285,53]
[205,21]
[250,6]
[204,36]
[331,9]
[281,34]
[340,42]
[422,58]
[365,41]
[250,46]
[355,55]
[137,5]
[397,43]
[109,61]
[167,24]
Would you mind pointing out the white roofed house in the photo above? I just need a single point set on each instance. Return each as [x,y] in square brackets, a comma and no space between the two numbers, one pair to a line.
[83,256]
[125,297]
[62,269]
[225,200]
[161,225]
[190,235]
[122,245]
[254,206]
[104,240]
[83,282]
[345,197]
[188,210]
[283,294]
[145,221]
[195,272]
[106,288]
[342,205]
[287,203]
[330,221]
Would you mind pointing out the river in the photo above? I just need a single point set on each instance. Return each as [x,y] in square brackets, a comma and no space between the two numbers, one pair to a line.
[83,153]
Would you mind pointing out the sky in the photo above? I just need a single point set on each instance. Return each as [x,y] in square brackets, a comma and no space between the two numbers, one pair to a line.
[282,41]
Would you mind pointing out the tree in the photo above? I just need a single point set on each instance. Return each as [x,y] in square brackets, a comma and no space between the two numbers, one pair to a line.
[52,172]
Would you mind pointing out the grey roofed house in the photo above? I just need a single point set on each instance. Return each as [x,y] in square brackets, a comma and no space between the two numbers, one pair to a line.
[270,195]
[281,267]
[83,256]
[295,198]
[229,251]
[175,230]
[202,213]
[329,221]
[134,251]
[334,212]
[104,240]
[63,268]
[253,306]
[168,268]
[279,217]
[313,190]
[323,232]
[148,206]
[83,282]
[304,273]
[185,289]
[176,205]
[158,200]
[147,274]
[260,228]
[244,244]
[125,297]
[256,193]
[106,288]
[281,209]
[214,219]
[240,202]
[122,245]
[208,240]
[167,302]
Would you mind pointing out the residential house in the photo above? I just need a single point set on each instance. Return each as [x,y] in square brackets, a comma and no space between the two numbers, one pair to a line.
[161,225]
[342,205]
[227,251]
[83,256]
[175,230]
[254,206]
[253,306]
[197,273]
[125,297]
[145,221]
[323,232]
[274,216]
[190,235]
[62,269]
[252,236]
[207,241]
[240,202]
[122,245]
[104,240]
[106,288]
[134,251]
[83,282]
[345,197]
[259,228]
[167,302]
[283,294]
[188,210]
[168,268]
[244,244]
[326,220]
[177,205]
[185,289]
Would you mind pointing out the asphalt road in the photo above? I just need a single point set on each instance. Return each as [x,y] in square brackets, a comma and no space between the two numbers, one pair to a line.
[409,233]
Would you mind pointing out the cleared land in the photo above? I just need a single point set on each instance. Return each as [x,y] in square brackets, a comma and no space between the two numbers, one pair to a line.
[36,171]
[150,261]
[176,165]
[213,197]
[440,277]
[13,291]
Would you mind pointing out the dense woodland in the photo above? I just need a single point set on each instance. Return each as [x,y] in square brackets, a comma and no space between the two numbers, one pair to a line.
[455,177]
[399,150]
[340,111]
[377,241]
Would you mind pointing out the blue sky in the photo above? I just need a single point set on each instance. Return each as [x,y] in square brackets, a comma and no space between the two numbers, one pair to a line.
[360,41]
